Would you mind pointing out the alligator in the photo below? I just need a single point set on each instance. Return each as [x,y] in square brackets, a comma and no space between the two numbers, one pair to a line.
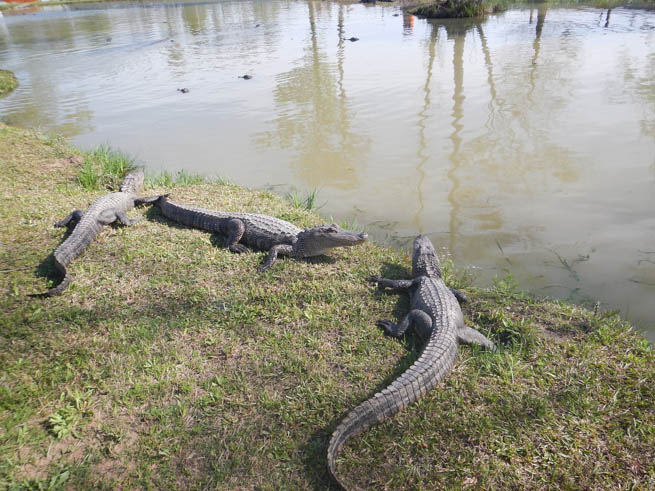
[86,225]
[260,231]
[436,316]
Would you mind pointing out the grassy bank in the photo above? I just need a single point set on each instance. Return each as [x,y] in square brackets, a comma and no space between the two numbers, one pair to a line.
[171,363]
[8,82]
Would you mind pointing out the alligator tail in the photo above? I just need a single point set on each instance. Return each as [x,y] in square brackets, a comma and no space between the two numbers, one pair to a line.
[65,253]
[357,421]
[59,289]
[414,383]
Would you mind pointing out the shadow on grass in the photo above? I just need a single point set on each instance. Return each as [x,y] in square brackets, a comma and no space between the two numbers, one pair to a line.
[314,453]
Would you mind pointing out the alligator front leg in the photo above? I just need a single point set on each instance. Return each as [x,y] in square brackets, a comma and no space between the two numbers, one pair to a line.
[284,249]
[406,284]
[388,283]
[148,200]
[468,335]
[422,324]
[70,220]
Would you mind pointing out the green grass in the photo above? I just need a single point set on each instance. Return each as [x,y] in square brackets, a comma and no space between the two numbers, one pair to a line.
[8,82]
[165,178]
[170,363]
[306,201]
[104,168]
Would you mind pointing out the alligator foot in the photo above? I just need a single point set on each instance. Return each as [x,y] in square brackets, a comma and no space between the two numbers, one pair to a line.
[238,248]
[284,249]
[125,220]
[390,328]
[386,282]
[421,321]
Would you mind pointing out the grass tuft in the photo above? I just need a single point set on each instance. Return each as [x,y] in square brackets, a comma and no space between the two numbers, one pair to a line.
[304,202]
[104,168]
[167,179]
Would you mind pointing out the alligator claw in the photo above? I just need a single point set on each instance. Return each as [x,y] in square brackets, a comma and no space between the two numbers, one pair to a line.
[238,248]
[385,325]
[373,279]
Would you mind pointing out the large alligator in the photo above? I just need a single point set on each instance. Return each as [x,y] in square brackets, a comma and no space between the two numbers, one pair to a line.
[261,231]
[435,314]
[87,224]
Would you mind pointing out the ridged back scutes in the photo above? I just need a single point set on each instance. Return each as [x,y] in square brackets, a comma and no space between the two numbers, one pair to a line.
[89,226]
[434,363]
[262,231]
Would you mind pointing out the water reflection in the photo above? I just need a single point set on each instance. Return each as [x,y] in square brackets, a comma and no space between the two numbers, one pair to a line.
[313,117]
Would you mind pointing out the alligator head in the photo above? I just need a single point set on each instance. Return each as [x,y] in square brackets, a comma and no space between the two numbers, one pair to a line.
[425,261]
[317,240]
[133,182]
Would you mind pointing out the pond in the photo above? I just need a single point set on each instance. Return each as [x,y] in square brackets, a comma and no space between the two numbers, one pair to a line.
[523,143]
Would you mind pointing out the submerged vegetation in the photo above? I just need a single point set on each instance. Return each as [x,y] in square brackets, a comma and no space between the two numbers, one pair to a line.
[8,82]
[170,363]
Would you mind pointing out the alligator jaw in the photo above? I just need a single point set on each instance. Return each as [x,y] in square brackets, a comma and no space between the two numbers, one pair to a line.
[317,240]
[425,261]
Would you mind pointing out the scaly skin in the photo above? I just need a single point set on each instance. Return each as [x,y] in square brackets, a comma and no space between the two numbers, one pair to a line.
[261,231]
[436,315]
[103,211]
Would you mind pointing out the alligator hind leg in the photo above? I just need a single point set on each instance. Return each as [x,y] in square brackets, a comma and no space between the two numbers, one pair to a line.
[468,335]
[235,229]
[71,220]
[125,220]
[459,295]
[422,324]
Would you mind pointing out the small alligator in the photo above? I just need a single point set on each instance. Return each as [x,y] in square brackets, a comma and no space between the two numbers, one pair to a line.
[87,224]
[260,231]
[436,315]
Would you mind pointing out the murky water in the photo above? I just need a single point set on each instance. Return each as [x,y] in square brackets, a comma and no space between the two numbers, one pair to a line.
[524,143]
